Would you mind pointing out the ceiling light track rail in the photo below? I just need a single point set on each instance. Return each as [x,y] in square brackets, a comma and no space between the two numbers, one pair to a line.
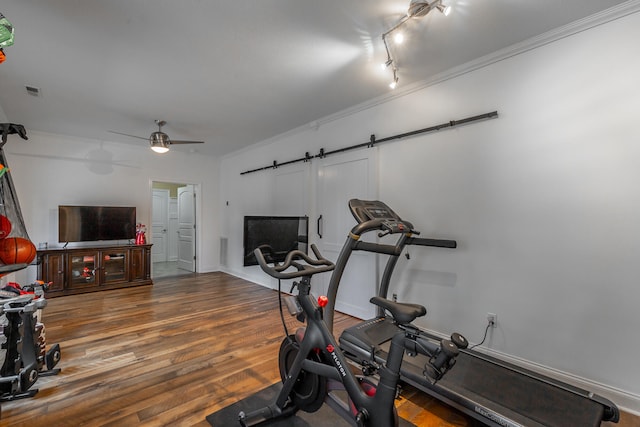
[373,141]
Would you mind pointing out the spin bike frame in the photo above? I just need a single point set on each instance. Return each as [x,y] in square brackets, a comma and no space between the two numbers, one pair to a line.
[371,411]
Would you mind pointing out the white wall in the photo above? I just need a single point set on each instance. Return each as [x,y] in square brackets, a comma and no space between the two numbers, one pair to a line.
[49,170]
[543,202]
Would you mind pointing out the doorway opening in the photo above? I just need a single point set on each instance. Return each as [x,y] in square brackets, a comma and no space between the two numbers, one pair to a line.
[173,229]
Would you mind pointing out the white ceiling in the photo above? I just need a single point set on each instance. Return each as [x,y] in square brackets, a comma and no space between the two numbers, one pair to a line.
[235,72]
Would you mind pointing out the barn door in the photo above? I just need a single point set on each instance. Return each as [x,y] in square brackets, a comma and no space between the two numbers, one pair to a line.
[341,178]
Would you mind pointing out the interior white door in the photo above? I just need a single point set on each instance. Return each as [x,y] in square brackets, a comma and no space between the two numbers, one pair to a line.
[187,228]
[159,224]
[341,178]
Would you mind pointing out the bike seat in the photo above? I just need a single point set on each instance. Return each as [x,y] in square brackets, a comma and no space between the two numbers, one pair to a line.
[402,313]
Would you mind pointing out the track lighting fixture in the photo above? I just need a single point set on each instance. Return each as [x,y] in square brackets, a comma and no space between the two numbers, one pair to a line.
[417,8]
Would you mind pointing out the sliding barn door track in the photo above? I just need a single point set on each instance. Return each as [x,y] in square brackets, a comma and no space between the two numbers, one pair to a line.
[373,141]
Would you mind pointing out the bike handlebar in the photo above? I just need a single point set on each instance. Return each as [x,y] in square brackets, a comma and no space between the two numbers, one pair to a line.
[311,266]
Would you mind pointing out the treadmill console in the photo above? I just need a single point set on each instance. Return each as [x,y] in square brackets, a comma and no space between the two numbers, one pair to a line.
[368,210]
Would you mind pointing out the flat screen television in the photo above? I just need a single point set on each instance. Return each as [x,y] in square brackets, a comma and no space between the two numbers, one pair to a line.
[94,223]
[275,235]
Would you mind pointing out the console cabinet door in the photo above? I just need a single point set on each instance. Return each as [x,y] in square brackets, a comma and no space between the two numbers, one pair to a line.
[114,266]
[53,271]
[138,264]
[84,269]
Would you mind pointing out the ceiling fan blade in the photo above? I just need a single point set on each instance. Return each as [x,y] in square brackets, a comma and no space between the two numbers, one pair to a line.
[126,134]
[173,141]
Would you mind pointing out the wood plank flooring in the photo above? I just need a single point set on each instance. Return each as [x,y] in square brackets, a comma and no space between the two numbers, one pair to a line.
[169,355]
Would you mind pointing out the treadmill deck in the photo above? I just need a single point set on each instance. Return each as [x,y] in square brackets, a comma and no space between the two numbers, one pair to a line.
[492,391]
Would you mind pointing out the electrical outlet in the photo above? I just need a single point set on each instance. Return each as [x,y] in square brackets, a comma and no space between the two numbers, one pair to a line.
[492,318]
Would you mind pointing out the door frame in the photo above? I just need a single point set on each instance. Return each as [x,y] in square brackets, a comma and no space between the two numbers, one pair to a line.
[198,214]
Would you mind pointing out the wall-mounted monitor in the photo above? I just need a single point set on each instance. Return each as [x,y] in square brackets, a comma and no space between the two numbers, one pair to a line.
[275,235]
[95,223]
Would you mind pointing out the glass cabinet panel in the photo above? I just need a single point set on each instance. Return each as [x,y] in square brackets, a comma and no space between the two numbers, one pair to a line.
[83,269]
[114,267]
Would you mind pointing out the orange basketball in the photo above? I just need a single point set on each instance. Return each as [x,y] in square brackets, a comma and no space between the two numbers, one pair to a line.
[5,226]
[17,250]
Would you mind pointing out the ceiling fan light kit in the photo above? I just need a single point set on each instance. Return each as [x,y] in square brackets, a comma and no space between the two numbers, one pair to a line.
[159,141]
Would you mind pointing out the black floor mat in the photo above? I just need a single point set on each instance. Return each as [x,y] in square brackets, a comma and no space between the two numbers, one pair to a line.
[325,417]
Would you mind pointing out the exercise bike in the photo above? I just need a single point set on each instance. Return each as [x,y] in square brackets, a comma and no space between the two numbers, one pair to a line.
[313,367]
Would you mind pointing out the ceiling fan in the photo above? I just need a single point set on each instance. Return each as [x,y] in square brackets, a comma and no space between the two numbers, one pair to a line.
[159,140]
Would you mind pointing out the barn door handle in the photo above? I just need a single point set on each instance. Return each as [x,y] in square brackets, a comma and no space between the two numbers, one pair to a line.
[319,226]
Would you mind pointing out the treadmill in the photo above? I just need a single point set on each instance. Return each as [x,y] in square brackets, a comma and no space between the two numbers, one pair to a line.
[494,392]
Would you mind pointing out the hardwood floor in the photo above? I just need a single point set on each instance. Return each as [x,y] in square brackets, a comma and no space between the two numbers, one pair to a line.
[166,269]
[169,355]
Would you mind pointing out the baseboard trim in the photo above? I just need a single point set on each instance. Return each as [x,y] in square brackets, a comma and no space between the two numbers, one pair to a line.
[250,278]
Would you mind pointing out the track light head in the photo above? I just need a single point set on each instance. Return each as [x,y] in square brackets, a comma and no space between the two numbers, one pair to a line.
[419,8]
[386,64]
[446,10]
[394,82]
